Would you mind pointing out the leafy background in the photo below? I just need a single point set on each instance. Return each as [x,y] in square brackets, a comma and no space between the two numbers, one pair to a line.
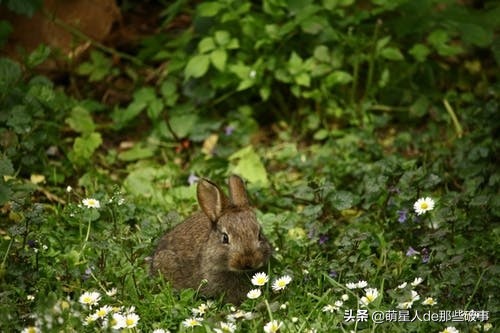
[340,114]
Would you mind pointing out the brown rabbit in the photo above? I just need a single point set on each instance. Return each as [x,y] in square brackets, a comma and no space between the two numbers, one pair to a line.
[219,244]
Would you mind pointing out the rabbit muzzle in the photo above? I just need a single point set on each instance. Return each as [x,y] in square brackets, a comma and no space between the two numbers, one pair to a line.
[248,261]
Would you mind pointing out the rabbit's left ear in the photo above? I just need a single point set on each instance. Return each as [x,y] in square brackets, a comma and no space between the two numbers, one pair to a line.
[211,199]
[237,191]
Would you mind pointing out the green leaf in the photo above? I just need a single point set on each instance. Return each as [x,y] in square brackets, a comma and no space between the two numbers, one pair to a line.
[6,168]
[391,53]
[209,8]
[222,37]
[419,52]
[338,77]
[476,34]
[197,66]
[137,152]
[5,193]
[219,58]
[84,147]
[80,120]
[155,108]
[38,56]
[322,53]
[207,44]
[303,79]
[183,124]
[247,163]
[341,200]
[10,72]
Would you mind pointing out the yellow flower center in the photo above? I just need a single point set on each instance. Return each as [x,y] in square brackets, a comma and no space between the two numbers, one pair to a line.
[130,321]
[424,205]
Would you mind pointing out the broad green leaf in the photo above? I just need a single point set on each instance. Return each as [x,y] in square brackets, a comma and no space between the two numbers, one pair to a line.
[84,147]
[382,42]
[183,124]
[155,108]
[391,53]
[38,56]
[145,95]
[6,168]
[5,192]
[338,77]
[321,134]
[476,34]
[10,72]
[197,66]
[341,200]
[207,44]
[303,79]
[209,8]
[222,37]
[245,84]
[419,52]
[80,120]
[322,53]
[219,58]
[137,152]
[247,163]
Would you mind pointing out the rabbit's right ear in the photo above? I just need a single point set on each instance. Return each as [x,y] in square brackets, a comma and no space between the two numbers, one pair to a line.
[211,199]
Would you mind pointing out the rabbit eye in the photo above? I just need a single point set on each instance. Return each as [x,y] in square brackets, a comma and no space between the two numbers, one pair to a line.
[225,238]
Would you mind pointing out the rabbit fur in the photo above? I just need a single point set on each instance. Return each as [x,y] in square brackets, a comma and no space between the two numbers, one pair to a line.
[221,244]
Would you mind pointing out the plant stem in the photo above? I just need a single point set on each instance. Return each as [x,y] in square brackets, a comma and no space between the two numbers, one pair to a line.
[454,119]
[86,237]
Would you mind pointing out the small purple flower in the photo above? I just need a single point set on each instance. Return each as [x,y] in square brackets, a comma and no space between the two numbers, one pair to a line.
[229,129]
[425,255]
[323,239]
[402,215]
[411,252]
[192,179]
[87,274]
[333,274]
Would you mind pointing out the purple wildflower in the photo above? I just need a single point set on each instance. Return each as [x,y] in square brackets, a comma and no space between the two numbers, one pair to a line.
[333,274]
[323,239]
[192,178]
[402,215]
[425,255]
[229,129]
[411,252]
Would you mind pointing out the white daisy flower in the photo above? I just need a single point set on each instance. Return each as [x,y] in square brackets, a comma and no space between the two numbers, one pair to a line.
[131,320]
[260,279]
[192,322]
[370,295]
[351,285]
[417,281]
[429,301]
[225,328]
[423,205]
[344,297]
[118,321]
[281,283]
[111,292]
[361,284]
[450,329]
[414,296]
[405,305]
[90,298]
[329,308]
[402,285]
[103,311]
[91,203]
[273,326]
[31,329]
[160,330]
[254,293]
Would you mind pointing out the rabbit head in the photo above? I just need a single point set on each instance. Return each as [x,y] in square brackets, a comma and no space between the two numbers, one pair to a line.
[236,242]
